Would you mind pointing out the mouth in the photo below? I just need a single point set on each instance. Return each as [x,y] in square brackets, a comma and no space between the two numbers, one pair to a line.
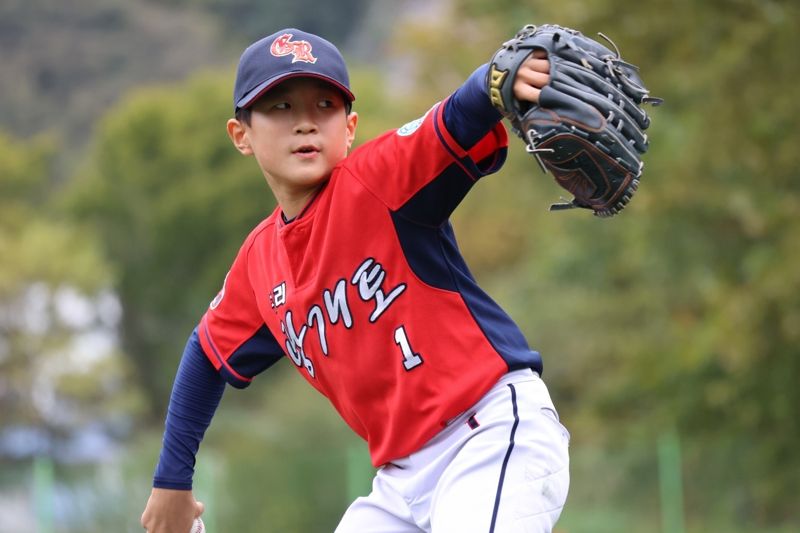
[306,150]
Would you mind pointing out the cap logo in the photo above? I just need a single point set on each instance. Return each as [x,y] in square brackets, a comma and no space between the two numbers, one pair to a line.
[301,50]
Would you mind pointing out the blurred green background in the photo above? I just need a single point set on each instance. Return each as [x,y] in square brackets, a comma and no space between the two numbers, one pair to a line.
[671,334]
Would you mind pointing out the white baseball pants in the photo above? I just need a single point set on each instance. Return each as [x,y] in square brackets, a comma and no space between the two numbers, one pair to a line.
[500,467]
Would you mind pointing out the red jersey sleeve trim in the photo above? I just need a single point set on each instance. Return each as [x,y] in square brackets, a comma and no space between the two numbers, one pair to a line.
[447,139]
[491,144]
[494,143]
[213,354]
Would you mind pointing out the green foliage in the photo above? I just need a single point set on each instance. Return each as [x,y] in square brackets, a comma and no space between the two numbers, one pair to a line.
[284,455]
[171,201]
[49,377]
[249,20]
[65,62]
[683,310]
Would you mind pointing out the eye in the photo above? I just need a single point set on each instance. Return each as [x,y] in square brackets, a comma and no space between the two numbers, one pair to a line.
[326,103]
[281,105]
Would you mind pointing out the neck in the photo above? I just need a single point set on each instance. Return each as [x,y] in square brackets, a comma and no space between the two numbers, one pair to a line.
[293,205]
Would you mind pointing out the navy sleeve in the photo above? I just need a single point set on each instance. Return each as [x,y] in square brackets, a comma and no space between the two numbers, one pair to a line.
[196,393]
[469,114]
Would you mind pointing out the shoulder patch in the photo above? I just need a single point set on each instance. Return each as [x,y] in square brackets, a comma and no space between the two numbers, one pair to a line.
[411,127]
[220,295]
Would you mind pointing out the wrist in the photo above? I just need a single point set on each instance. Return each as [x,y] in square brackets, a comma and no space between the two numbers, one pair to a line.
[170,484]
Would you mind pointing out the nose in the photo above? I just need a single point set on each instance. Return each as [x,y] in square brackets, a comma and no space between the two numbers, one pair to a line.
[304,121]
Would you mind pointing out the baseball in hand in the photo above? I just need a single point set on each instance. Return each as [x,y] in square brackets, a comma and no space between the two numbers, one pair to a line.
[198,526]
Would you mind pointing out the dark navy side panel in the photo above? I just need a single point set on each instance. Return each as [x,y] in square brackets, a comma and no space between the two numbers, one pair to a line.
[255,355]
[434,203]
[423,251]
[433,255]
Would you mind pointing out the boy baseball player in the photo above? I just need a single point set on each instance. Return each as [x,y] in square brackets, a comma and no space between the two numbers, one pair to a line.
[357,279]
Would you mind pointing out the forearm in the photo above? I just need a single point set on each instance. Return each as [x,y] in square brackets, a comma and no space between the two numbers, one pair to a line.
[468,113]
[196,393]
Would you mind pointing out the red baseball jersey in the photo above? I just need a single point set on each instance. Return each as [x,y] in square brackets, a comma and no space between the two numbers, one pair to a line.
[367,293]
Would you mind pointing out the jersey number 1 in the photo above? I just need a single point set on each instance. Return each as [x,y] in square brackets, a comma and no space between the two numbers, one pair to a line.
[410,359]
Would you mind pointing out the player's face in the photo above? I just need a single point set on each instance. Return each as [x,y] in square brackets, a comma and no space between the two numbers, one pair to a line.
[299,131]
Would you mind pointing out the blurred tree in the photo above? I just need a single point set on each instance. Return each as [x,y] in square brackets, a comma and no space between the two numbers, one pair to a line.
[275,464]
[58,370]
[248,20]
[682,311]
[685,305]
[171,201]
[66,62]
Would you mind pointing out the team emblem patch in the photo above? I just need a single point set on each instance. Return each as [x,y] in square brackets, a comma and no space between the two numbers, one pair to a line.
[220,295]
[284,46]
[411,127]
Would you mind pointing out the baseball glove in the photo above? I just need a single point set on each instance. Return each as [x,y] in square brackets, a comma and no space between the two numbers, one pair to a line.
[588,127]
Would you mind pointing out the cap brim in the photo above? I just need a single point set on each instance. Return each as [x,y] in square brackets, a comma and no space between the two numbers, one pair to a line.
[251,97]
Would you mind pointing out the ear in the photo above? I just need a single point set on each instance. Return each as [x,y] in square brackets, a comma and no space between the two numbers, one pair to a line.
[237,132]
[352,122]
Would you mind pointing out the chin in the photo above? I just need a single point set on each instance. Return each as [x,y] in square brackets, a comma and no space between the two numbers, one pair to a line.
[313,180]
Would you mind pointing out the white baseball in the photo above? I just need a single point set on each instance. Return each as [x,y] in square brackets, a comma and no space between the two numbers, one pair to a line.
[198,526]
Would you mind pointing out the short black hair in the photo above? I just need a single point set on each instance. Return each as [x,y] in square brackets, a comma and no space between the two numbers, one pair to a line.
[245,114]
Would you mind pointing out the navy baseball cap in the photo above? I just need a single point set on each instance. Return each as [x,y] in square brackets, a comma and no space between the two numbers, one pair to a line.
[287,54]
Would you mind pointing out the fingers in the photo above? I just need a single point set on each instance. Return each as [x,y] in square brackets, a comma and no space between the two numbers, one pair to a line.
[537,78]
[539,54]
[537,63]
[525,92]
[532,75]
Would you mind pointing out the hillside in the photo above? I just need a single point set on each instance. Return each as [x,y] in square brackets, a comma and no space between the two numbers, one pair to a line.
[65,62]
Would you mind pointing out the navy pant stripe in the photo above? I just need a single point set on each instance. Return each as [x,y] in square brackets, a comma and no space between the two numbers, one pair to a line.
[505,460]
